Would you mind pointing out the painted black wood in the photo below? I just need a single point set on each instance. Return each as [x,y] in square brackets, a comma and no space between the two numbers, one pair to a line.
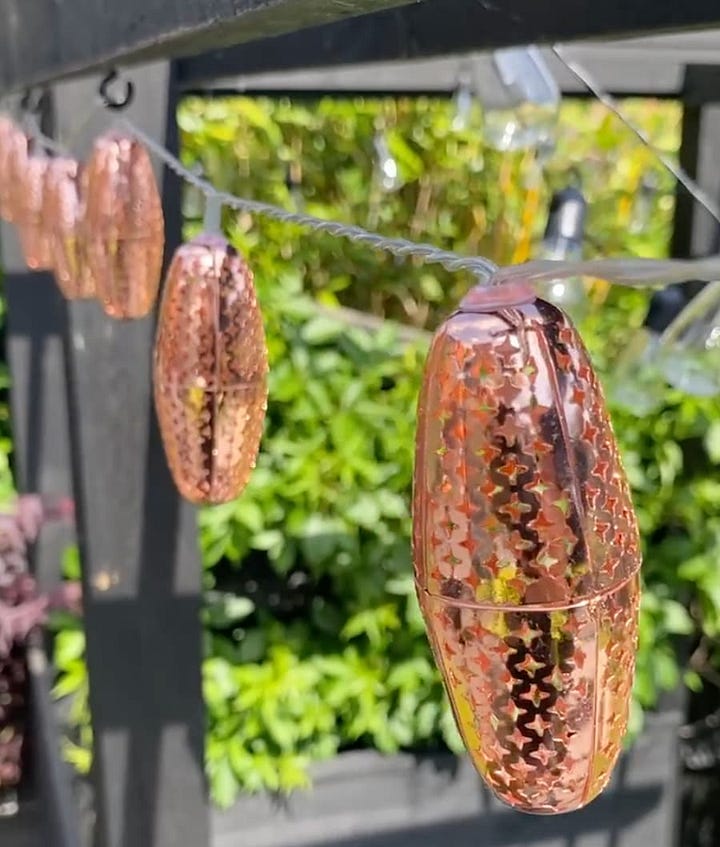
[34,335]
[443,27]
[44,40]
[650,66]
[695,232]
[138,544]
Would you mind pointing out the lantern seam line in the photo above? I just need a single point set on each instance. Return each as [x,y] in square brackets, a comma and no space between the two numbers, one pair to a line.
[533,607]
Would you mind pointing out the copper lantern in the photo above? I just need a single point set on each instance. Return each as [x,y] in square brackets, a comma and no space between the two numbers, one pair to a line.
[125,228]
[526,550]
[63,217]
[29,179]
[210,371]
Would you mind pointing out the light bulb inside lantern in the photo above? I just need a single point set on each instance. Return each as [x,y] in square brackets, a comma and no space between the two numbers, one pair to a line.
[644,199]
[694,340]
[523,113]
[563,240]
[637,381]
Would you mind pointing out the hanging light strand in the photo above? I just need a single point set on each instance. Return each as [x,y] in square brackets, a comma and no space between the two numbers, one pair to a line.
[400,247]
[631,272]
[680,174]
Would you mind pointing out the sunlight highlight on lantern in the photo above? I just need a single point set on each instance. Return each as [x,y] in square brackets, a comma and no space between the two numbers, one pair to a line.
[34,238]
[63,220]
[125,226]
[526,550]
[210,371]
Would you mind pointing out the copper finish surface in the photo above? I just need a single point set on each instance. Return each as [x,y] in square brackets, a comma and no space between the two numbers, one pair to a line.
[210,371]
[526,553]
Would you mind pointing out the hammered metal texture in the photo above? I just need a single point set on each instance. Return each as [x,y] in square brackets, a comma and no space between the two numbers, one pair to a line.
[34,237]
[125,227]
[526,553]
[210,371]
[10,138]
[63,220]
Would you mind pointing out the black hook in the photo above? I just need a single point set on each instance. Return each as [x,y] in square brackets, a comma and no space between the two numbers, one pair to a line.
[111,102]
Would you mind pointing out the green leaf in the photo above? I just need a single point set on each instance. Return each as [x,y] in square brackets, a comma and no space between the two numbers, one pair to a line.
[676,618]
[321,330]
[223,784]
[69,647]
[712,442]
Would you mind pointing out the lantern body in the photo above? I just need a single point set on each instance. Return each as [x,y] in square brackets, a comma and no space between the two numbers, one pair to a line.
[125,235]
[526,553]
[210,373]
[34,237]
[63,220]
[11,137]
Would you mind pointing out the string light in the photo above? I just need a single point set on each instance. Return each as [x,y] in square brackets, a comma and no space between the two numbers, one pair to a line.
[527,115]
[692,364]
[386,165]
[680,174]
[637,382]
[622,271]
[639,273]
[563,239]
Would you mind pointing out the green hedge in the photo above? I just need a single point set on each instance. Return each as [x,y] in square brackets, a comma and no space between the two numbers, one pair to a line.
[313,638]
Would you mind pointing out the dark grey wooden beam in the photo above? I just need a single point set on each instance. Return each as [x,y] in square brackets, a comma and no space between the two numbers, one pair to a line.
[45,40]
[645,69]
[139,550]
[34,332]
[443,27]
[695,232]
[649,66]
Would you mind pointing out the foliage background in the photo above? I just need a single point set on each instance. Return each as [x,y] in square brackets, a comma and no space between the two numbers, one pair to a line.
[313,640]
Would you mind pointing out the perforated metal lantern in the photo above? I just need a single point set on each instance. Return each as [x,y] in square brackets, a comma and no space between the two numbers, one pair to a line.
[30,185]
[63,220]
[125,227]
[11,137]
[210,371]
[526,550]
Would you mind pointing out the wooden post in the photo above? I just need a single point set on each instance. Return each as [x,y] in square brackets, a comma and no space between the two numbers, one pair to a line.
[34,346]
[139,549]
[695,232]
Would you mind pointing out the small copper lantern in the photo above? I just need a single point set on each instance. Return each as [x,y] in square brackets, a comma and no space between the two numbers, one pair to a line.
[526,550]
[63,220]
[30,187]
[210,374]
[125,228]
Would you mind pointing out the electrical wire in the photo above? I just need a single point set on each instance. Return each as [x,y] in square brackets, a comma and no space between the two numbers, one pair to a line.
[632,272]
[623,271]
[400,247]
[680,174]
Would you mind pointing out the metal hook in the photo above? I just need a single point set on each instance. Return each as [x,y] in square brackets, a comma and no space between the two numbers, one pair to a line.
[111,102]
[31,101]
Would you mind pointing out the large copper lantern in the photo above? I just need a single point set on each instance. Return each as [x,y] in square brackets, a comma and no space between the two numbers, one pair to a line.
[63,217]
[125,228]
[28,216]
[210,371]
[526,550]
